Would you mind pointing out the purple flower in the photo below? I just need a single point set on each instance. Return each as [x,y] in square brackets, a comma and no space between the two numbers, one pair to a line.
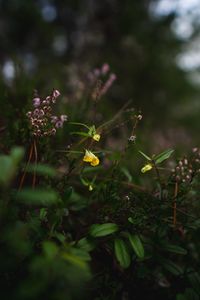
[54,119]
[59,124]
[36,112]
[36,102]
[105,68]
[97,72]
[56,93]
[63,118]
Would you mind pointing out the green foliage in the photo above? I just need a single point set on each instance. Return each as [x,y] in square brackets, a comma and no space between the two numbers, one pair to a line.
[121,253]
[136,245]
[99,230]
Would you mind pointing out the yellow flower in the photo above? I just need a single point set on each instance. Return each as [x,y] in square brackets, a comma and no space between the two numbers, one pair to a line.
[146,168]
[90,188]
[91,158]
[96,137]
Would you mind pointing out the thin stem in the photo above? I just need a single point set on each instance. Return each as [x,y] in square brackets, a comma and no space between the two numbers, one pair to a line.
[36,159]
[175,204]
[24,174]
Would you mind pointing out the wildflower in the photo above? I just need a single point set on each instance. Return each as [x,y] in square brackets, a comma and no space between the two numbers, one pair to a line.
[90,188]
[96,137]
[36,102]
[105,69]
[132,138]
[91,158]
[56,93]
[146,168]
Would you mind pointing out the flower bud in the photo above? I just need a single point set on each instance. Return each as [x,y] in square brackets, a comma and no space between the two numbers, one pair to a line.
[56,93]
[36,102]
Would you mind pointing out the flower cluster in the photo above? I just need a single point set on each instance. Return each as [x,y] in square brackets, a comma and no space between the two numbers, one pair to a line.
[42,121]
[96,75]
[187,168]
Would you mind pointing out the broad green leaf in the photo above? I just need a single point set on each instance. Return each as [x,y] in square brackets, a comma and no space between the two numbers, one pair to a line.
[194,279]
[74,260]
[9,164]
[136,245]
[7,169]
[50,249]
[121,253]
[42,170]
[171,267]
[174,249]
[86,244]
[146,156]
[163,156]
[130,219]
[40,197]
[81,253]
[17,154]
[99,230]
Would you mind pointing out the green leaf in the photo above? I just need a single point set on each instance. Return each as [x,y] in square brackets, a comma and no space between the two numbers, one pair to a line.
[80,133]
[194,279]
[171,267]
[136,245]
[121,253]
[67,194]
[130,219]
[174,249]
[92,130]
[81,253]
[180,297]
[191,294]
[146,156]
[41,169]
[7,169]
[9,164]
[17,154]
[50,249]
[74,260]
[126,172]
[80,124]
[99,230]
[38,197]
[163,156]
[86,244]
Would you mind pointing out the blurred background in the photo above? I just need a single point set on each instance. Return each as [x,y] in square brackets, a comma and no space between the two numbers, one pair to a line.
[153,47]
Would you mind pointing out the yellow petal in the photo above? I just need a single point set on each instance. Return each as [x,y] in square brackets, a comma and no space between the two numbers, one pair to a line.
[96,137]
[88,156]
[146,168]
[90,188]
[95,162]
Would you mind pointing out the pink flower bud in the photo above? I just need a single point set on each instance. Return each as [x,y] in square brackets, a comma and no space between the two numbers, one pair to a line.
[105,68]
[113,77]
[56,93]
[36,102]
[54,119]
[29,114]
[59,124]
[63,118]
[97,72]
